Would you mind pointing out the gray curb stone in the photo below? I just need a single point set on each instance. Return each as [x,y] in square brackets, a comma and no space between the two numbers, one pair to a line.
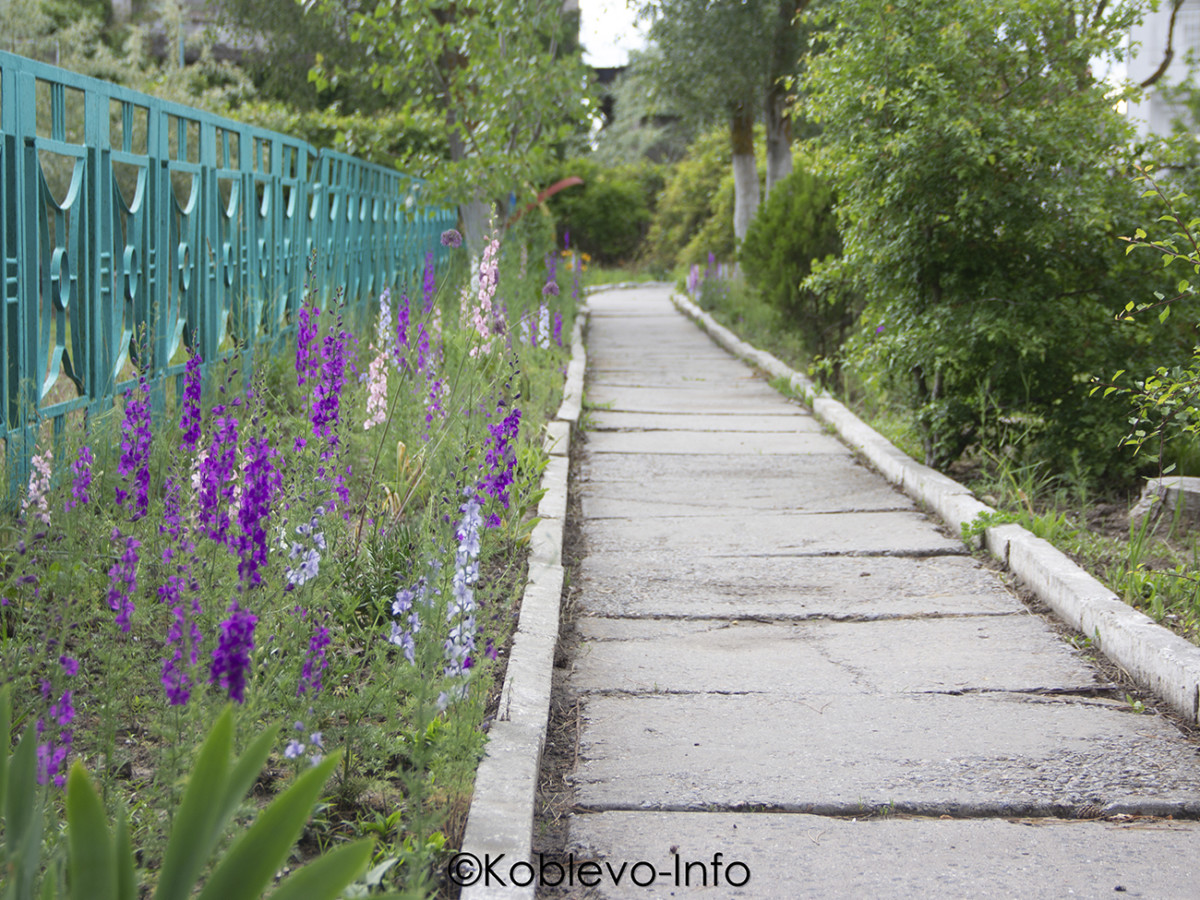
[500,821]
[1155,657]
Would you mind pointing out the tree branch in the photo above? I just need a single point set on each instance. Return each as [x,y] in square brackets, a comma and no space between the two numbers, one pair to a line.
[1170,51]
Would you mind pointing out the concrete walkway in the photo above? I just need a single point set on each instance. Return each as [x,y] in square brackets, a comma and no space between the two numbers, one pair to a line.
[789,676]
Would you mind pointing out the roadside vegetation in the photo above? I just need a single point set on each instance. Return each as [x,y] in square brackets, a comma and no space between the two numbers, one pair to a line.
[969,250]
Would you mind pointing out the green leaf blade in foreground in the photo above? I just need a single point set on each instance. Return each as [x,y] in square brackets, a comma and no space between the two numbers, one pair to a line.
[246,870]
[327,876]
[6,736]
[23,817]
[190,844]
[91,868]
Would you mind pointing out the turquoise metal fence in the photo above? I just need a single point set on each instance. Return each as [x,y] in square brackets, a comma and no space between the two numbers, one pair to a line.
[135,230]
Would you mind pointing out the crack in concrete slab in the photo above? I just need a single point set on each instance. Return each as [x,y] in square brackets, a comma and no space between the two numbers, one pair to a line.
[811,617]
[930,553]
[797,511]
[1111,691]
[1184,809]
[666,693]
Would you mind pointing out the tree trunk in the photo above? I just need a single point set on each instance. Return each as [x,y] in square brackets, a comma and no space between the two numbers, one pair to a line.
[745,172]
[779,138]
[472,212]
[778,115]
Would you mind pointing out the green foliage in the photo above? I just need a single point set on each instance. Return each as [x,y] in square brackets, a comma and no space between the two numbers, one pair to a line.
[400,138]
[501,78]
[689,200]
[609,214]
[1165,401]
[100,861]
[286,41]
[974,175]
[645,126]
[794,230]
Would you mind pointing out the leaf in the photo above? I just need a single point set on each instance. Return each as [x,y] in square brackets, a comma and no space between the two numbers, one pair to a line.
[6,737]
[90,846]
[190,843]
[1165,314]
[127,887]
[213,795]
[247,869]
[23,815]
[327,876]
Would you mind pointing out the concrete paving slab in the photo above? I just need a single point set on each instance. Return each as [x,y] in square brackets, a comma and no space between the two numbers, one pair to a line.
[703,470]
[661,399]
[624,484]
[774,588]
[977,754]
[796,419]
[775,534]
[969,654]
[800,856]
[754,443]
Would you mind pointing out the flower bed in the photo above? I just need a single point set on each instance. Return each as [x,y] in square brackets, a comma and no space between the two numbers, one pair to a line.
[330,539]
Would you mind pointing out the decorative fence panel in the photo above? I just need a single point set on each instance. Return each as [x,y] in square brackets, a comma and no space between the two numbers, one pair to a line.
[137,230]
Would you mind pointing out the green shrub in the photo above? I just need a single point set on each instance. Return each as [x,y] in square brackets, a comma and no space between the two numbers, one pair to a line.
[687,200]
[608,215]
[794,229]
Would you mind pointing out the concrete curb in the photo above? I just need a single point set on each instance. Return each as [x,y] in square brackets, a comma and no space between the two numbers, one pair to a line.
[500,821]
[1153,656]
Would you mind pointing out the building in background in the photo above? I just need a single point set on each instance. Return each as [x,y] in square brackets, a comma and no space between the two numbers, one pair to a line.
[1151,41]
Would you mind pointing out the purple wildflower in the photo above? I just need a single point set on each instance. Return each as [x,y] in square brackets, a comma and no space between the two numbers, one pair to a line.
[306,338]
[135,450]
[262,480]
[189,421]
[403,312]
[122,580]
[215,481]
[52,753]
[550,289]
[558,323]
[429,285]
[183,639]
[326,395]
[500,462]
[452,238]
[314,662]
[424,357]
[231,658]
[82,482]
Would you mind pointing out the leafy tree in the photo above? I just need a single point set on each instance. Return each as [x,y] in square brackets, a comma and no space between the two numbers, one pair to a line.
[645,125]
[608,214]
[795,229]
[727,59]
[285,44]
[504,79]
[973,151]
[689,200]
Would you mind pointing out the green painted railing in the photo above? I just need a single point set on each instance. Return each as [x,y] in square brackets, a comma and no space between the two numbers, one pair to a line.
[135,230]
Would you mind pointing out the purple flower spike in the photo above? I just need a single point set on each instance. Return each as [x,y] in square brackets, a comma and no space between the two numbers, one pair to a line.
[261,481]
[189,421]
[122,580]
[135,451]
[429,286]
[82,482]
[231,659]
